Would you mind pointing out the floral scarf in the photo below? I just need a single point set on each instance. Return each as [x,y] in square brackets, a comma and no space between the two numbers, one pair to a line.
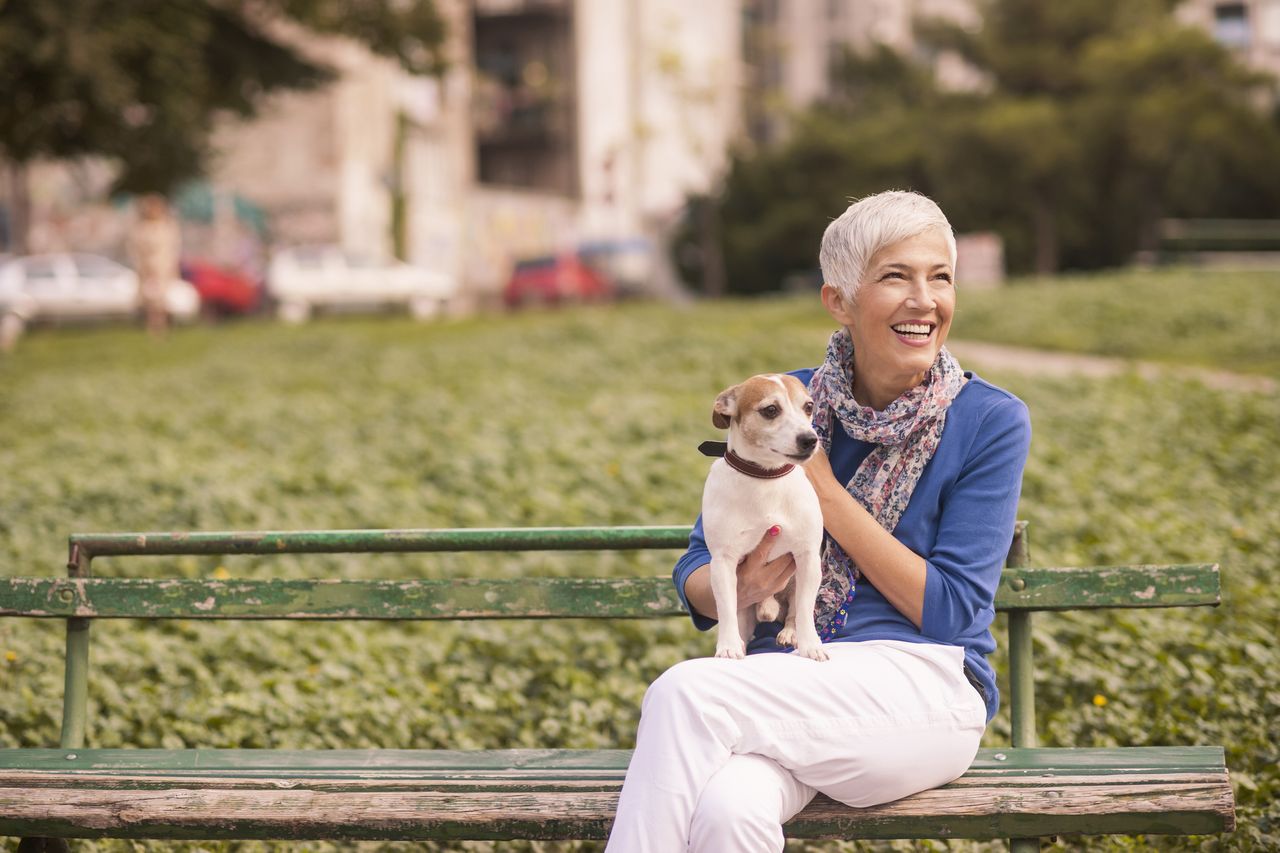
[906,434]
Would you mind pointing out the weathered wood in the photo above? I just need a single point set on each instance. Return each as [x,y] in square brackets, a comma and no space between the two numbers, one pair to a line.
[999,762]
[1097,587]
[408,794]
[381,541]
[473,598]
[462,598]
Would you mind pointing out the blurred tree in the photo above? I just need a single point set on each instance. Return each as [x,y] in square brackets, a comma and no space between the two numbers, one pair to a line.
[1090,121]
[1100,118]
[143,80]
[776,201]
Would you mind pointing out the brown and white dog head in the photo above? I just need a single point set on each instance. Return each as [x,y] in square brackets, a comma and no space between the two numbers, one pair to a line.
[768,418]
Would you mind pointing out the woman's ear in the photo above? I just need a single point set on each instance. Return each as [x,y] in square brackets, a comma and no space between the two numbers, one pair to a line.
[837,306]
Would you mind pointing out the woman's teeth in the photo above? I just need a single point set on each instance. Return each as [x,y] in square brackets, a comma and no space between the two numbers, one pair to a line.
[913,330]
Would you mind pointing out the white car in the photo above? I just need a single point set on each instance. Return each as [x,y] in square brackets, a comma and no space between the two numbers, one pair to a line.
[303,278]
[78,285]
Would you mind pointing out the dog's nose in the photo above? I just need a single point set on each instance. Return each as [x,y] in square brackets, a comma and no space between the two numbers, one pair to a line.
[806,442]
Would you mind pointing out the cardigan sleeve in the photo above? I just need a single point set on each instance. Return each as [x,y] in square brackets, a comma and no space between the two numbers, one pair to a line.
[962,570]
[696,555]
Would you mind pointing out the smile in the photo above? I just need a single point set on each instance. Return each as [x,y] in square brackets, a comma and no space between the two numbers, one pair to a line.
[913,332]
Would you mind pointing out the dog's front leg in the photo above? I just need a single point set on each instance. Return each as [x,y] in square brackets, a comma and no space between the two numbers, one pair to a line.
[807,578]
[787,636]
[724,586]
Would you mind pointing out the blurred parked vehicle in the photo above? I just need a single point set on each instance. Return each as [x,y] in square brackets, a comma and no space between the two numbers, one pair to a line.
[223,291]
[78,286]
[629,264]
[554,279]
[303,278]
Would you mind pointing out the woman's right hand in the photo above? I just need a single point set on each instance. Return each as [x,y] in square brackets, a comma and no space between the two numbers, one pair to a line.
[758,576]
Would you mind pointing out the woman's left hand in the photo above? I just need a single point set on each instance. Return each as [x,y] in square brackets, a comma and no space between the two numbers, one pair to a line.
[818,470]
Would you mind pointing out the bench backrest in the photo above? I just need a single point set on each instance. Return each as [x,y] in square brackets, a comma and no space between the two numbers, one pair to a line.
[80,597]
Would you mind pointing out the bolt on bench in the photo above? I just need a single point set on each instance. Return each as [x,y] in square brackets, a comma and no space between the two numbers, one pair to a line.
[1022,792]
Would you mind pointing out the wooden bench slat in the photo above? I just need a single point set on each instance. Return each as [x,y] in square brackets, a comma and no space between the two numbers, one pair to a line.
[473,598]
[1040,588]
[1002,761]
[413,794]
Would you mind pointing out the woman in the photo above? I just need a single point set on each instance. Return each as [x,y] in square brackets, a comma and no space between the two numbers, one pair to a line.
[918,479]
[154,246]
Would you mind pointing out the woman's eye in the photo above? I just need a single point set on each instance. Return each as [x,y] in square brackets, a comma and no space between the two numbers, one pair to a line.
[771,412]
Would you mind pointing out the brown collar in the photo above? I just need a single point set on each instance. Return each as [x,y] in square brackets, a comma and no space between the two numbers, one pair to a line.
[751,469]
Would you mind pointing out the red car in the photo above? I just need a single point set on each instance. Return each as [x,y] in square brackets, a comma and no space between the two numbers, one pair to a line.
[559,278]
[222,290]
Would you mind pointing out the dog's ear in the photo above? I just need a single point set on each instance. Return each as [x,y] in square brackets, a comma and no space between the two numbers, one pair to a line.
[725,408]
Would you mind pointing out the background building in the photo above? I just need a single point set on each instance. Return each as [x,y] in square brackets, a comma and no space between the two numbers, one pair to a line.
[559,123]
[1250,27]
[792,49]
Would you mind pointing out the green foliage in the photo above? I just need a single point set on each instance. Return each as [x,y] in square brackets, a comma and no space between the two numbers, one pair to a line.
[142,81]
[1210,319]
[1087,123]
[581,417]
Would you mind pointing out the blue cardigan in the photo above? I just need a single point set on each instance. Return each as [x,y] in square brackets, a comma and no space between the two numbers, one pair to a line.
[960,520]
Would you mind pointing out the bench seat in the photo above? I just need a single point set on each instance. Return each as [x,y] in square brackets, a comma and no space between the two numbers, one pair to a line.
[568,794]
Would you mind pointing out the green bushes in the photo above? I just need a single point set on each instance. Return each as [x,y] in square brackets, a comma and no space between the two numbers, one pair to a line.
[580,417]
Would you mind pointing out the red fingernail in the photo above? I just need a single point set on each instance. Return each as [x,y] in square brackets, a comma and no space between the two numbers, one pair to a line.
[775,530]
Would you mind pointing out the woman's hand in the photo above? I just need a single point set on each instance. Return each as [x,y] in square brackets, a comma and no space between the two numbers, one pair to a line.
[821,477]
[758,577]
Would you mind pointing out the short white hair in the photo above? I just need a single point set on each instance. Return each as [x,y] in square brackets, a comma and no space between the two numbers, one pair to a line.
[868,226]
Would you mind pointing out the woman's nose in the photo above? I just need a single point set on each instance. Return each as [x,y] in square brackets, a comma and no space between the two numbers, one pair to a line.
[921,297]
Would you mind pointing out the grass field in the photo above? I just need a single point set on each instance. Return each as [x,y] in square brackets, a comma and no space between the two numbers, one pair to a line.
[1180,316]
[581,417]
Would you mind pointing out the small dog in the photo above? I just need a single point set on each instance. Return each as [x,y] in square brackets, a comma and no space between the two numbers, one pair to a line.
[756,486]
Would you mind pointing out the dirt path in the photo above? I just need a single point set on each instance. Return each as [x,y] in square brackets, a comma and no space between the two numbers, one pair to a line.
[1048,363]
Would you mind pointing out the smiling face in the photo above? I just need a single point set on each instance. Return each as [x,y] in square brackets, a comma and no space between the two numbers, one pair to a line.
[899,317]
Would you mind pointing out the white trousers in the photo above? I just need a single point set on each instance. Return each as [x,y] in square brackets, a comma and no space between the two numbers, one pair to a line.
[729,750]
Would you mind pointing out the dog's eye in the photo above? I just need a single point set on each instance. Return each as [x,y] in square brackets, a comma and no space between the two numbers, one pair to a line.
[771,411]
[808,409]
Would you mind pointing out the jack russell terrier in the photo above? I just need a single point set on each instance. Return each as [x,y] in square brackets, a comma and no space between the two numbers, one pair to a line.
[754,487]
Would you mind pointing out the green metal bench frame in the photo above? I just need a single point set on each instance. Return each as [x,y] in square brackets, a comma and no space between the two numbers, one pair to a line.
[1021,793]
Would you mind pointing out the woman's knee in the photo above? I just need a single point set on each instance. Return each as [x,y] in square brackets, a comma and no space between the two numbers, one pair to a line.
[742,808]
[684,683]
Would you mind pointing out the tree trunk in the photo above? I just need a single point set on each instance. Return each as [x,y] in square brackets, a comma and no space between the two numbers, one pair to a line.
[1046,235]
[713,277]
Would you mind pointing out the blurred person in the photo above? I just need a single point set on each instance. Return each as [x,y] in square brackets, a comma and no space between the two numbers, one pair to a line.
[918,474]
[154,247]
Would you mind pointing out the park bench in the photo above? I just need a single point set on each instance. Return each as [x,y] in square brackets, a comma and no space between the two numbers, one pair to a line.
[1226,244]
[1021,792]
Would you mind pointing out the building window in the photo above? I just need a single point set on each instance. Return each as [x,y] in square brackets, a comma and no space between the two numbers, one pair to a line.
[524,105]
[1231,24]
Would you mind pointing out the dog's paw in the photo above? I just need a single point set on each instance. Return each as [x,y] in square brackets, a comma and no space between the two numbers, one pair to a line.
[733,651]
[813,651]
[787,637]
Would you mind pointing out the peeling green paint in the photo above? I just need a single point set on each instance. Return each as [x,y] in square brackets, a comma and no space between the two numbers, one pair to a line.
[533,598]
[370,541]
